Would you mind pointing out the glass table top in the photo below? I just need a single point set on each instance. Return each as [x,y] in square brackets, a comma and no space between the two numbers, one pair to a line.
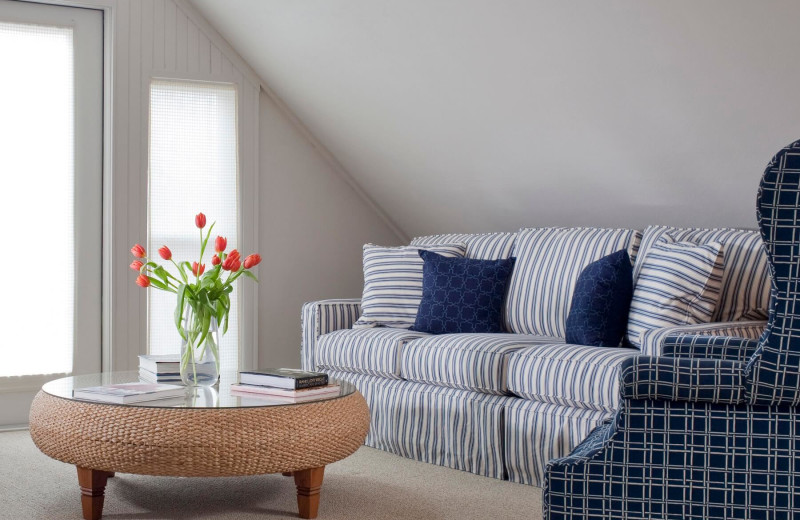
[217,396]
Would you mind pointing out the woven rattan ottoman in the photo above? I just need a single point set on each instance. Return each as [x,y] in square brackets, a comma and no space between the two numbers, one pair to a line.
[210,433]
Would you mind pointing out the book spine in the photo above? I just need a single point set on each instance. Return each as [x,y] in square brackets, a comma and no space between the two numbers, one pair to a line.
[309,382]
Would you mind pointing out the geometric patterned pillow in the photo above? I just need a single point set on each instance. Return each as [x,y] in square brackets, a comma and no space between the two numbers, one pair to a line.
[393,284]
[462,295]
[678,284]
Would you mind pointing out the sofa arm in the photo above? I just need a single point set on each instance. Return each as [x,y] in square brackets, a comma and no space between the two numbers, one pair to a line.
[652,341]
[322,317]
[682,379]
[726,348]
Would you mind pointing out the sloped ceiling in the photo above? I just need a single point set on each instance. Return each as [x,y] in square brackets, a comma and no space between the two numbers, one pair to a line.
[478,115]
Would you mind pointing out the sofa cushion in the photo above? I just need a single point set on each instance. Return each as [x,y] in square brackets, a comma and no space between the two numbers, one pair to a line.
[549,261]
[746,280]
[393,284]
[462,294]
[482,246]
[364,351]
[599,310]
[570,375]
[470,361]
[678,284]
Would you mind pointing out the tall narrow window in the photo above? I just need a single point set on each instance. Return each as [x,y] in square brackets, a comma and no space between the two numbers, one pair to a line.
[193,168]
[37,161]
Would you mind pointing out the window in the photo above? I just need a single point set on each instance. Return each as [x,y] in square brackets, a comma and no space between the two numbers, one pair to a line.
[193,168]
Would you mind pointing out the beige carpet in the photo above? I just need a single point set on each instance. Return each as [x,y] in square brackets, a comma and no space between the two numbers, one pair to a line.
[370,484]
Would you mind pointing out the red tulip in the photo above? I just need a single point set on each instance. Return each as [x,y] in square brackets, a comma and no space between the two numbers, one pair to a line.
[233,254]
[198,271]
[252,261]
[142,281]
[200,220]
[232,263]
[220,244]
[215,260]
[138,251]
[165,253]
[136,265]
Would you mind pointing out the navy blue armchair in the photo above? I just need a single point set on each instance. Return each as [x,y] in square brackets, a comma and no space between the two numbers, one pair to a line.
[711,429]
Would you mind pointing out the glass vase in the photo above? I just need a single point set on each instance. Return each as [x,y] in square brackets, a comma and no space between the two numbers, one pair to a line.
[199,353]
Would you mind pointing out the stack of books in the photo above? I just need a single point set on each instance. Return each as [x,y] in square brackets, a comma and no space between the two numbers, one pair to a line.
[285,385]
[164,368]
[127,393]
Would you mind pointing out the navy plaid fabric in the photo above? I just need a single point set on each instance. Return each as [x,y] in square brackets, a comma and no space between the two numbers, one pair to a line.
[727,348]
[712,432]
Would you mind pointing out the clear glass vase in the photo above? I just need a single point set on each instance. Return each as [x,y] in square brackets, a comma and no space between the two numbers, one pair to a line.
[199,354]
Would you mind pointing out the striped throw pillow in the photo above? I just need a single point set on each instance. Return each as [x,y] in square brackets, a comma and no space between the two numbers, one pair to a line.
[679,283]
[549,261]
[481,246]
[393,284]
[746,282]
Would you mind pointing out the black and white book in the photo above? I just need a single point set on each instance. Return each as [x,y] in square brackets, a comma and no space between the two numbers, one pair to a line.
[127,393]
[312,392]
[284,378]
[161,363]
[150,377]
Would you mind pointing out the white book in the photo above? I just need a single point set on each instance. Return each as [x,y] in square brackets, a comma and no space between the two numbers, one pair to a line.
[126,393]
[310,393]
[161,363]
[150,377]
[256,399]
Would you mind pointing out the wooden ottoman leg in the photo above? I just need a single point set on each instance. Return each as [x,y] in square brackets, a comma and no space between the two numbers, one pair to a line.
[308,482]
[93,486]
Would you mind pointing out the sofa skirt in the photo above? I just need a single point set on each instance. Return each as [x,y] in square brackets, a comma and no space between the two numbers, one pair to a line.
[449,427]
[538,432]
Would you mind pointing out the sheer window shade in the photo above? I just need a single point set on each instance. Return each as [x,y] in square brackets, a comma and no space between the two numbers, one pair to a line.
[37,160]
[193,168]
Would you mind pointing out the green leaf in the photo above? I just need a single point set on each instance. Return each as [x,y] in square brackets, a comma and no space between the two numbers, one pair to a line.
[161,273]
[161,285]
[179,310]
[251,275]
[205,242]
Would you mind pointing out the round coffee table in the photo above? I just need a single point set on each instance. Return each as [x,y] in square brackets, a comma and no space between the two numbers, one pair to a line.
[208,433]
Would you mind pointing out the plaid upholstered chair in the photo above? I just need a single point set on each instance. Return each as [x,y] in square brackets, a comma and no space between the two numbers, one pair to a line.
[711,429]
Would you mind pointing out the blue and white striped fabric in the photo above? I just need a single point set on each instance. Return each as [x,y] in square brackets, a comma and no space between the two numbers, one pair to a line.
[745,276]
[481,246]
[446,426]
[321,317]
[468,361]
[568,375]
[652,340]
[549,261]
[678,284]
[367,351]
[538,432]
[393,284]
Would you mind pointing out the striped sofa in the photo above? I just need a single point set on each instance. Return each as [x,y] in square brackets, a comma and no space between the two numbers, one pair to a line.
[503,405]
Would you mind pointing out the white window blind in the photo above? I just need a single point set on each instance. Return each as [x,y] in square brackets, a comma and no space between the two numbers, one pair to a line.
[193,169]
[36,202]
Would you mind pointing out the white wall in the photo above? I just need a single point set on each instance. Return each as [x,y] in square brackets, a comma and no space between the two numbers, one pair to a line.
[312,226]
[471,115]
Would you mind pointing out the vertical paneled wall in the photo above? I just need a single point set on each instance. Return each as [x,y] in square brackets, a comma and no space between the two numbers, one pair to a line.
[164,38]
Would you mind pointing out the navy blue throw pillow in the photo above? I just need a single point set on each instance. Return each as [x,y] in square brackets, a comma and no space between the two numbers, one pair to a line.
[461,294]
[600,303]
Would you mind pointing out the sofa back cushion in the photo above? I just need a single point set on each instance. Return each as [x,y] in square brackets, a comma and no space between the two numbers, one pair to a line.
[549,261]
[481,246]
[746,283]
[393,284]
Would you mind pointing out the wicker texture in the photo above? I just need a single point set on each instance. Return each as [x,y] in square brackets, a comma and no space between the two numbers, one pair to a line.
[198,442]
